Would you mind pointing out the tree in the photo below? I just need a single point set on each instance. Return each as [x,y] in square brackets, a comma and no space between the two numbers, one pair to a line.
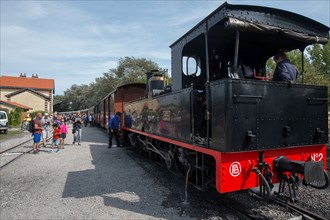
[58,100]
[316,65]
[75,98]
[103,85]
[320,57]
[129,70]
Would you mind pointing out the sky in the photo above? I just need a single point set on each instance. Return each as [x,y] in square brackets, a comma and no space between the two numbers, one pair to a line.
[75,42]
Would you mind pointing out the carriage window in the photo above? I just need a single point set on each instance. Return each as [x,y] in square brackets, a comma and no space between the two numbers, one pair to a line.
[190,66]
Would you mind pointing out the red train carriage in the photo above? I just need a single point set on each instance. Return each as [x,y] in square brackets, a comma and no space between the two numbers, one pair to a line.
[115,100]
[227,129]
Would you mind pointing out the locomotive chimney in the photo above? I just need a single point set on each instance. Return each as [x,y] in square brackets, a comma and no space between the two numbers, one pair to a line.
[149,75]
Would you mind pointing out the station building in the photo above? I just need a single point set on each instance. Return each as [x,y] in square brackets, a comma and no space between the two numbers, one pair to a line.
[27,93]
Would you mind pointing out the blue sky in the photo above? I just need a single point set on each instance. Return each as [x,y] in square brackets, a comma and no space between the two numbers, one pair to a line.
[74,42]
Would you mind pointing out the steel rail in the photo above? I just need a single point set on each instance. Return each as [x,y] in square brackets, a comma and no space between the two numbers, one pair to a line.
[15,146]
[304,212]
[18,155]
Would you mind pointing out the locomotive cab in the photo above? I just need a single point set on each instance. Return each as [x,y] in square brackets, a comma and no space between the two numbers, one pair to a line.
[225,55]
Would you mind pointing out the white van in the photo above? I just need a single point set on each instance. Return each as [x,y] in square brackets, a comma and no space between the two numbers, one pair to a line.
[3,122]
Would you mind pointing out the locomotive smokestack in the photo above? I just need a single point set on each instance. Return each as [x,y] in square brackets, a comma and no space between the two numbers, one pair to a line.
[149,75]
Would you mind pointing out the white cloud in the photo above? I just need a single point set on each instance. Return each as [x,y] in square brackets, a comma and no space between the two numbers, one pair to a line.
[76,41]
[34,10]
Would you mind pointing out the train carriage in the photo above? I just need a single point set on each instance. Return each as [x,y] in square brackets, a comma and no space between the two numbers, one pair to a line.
[115,100]
[253,132]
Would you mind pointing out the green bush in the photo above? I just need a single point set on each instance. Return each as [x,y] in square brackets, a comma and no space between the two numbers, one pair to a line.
[14,117]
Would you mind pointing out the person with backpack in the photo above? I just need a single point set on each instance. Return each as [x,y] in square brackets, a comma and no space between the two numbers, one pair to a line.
[30,127]
[37,131]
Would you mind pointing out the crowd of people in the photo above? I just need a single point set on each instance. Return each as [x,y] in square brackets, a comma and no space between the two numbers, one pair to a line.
[46,127]
[56,127]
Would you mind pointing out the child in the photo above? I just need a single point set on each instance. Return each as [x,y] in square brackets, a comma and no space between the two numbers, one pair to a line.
[64,131]
[56,137]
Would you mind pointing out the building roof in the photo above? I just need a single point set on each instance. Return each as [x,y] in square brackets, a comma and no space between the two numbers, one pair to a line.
[15,104]
[27,89]
[26,82]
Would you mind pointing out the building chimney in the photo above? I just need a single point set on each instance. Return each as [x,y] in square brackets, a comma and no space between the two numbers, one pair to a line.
[36,75]
[32,75]
[22,75]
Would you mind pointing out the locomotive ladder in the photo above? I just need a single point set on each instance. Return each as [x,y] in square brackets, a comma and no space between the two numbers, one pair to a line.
[200,172]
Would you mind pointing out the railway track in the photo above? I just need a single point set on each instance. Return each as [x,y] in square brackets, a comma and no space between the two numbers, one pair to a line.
[11,153]
[305,214]
[242,213]
[290,209]
[228,204]
[2,151]
[294,210]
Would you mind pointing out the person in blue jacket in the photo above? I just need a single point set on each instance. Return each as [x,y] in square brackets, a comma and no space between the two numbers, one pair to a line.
[285,70]
[114,127]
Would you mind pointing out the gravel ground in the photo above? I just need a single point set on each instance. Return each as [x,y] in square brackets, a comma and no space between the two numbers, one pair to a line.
[93,182]
[7,143]
[82,182]
[11,155]
[200,206]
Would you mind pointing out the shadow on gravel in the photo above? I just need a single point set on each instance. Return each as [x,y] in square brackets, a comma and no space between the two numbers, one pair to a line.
[115,178]
[92,134]
[120,181]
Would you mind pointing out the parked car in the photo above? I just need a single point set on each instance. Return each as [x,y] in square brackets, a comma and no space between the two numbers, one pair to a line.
[3,122]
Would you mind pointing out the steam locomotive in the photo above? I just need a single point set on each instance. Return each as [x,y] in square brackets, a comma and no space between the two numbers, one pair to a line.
[223,123]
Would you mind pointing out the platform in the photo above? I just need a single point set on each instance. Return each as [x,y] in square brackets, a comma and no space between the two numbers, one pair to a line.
[87,181]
